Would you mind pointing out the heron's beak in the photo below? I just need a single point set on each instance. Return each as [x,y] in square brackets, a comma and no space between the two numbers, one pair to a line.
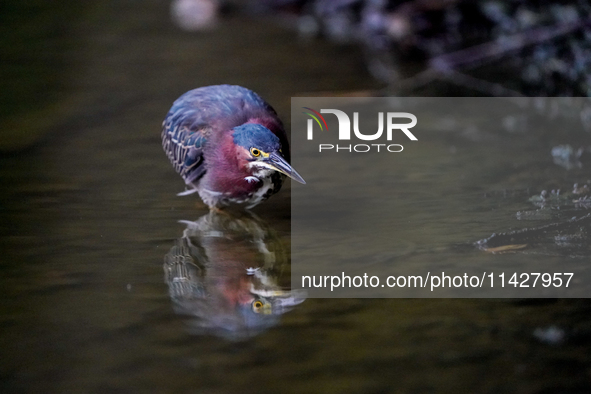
[278,163]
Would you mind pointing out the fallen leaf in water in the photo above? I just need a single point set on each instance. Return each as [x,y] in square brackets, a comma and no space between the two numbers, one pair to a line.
[505,248]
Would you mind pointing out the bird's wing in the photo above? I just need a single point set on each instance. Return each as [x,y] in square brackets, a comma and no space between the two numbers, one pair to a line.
[183,142]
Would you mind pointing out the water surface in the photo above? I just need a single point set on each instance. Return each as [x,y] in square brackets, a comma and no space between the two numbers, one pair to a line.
[89,212]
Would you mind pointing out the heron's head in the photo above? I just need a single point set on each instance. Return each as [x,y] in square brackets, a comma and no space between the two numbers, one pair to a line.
[263,149]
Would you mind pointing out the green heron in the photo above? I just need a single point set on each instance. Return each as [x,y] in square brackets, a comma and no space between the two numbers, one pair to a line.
[228,145]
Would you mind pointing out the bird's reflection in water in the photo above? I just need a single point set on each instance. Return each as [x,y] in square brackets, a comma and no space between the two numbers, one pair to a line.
[225,273]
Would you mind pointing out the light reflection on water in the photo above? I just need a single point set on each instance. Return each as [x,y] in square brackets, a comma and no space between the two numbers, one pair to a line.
[226,273]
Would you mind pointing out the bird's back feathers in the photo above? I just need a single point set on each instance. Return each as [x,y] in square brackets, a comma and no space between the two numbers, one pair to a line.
[199,114]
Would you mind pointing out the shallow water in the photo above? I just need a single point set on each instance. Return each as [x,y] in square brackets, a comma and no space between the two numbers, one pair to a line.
[89,212]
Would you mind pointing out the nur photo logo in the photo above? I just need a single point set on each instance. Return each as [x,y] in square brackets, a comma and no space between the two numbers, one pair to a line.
[392,124]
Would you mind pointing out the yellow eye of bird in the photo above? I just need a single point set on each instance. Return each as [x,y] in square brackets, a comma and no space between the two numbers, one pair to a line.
[257,306]
[255,152]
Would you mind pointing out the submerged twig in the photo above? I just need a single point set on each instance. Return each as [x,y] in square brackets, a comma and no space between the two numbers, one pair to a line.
[493,50]
[445,67]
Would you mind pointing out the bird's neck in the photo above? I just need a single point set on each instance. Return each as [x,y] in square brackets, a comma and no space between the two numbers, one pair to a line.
[230,171]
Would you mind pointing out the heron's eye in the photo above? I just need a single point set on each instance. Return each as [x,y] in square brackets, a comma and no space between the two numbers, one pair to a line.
[255,152]
[257,305]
